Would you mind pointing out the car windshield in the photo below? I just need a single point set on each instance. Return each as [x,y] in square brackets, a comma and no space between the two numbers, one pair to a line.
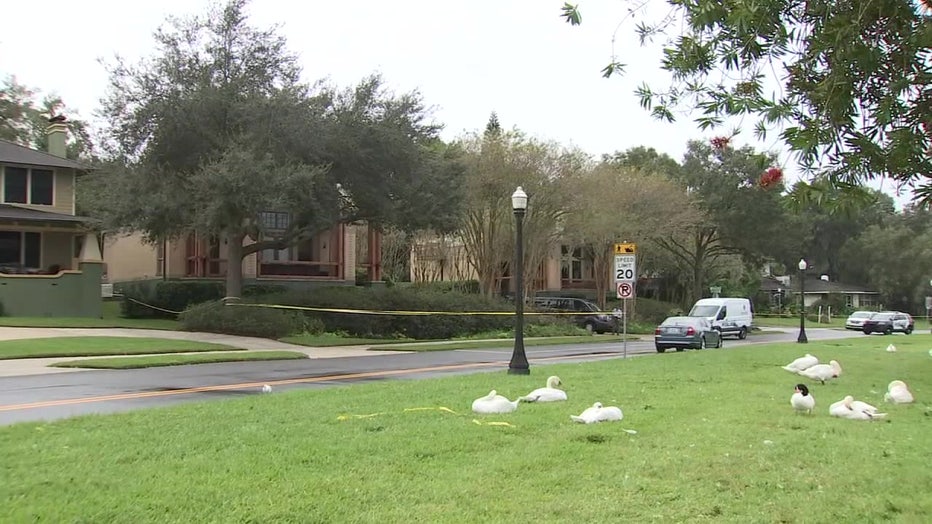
[882,316]
[861,314]
[703,311]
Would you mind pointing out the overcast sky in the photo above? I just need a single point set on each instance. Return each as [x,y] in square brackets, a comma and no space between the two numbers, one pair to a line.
[468,58]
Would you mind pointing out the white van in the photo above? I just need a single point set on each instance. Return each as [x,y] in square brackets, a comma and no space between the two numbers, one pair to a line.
[730,316]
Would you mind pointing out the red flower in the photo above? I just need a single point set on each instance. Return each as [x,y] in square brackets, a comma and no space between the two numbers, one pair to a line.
[771,177]
[720,142]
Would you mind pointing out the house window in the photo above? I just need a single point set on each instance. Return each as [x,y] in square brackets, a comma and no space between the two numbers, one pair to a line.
[41,187]
[19,250]
[33,186]
[572,266]
[275,221]
[15,185]
[159,258]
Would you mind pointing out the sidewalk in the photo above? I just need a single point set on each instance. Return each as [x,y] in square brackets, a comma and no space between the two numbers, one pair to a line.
[39,366]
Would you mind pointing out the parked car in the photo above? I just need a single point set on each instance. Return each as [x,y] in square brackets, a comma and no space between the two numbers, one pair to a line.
[590,318]
[888,322]
[856,319]
[686,332]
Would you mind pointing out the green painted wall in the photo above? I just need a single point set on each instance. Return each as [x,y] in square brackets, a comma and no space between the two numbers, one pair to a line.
[66,295]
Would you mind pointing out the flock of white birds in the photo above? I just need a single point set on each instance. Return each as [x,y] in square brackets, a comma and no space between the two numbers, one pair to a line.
[803,402]
[493,403]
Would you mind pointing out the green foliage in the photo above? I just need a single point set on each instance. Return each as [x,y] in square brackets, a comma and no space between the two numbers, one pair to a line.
[174,296]
[399,299]
[100,346]
[220,107]
[215,317]
[854,101]
[24,120]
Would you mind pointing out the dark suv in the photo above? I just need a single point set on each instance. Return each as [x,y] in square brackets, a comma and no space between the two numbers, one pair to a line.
[589,318]
[887,322]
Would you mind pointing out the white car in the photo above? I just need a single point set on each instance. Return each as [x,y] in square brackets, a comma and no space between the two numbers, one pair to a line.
[856,320]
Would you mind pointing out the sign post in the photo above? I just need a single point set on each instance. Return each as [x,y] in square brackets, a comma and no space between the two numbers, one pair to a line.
[625,279]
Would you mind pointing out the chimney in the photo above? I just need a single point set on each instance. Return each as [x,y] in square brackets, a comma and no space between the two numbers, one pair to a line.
[58,136]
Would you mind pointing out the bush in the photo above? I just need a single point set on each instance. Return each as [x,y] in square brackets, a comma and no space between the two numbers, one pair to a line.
[397,298]
[215,317]
[160,299]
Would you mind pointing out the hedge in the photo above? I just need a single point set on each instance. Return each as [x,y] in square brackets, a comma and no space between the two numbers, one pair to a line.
[176,296]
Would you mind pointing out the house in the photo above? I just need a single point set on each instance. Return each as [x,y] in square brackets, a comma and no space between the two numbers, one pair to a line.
[50,264]
[821,289]
[333,257]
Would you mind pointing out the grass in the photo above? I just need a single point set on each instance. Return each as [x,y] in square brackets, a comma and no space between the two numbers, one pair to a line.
[716,441]
[178,360]
[111,319]
[837,322]
[99,346]
[333,339]
[486,344]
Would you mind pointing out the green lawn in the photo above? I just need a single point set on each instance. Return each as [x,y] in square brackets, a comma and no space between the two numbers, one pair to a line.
[99,346]
[486,344]
[716,441]
[331,339]
[178,360]
[111,319]
[836,322]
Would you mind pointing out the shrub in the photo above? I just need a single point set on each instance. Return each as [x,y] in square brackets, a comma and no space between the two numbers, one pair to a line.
[159,299]
[215,317]
[398,298]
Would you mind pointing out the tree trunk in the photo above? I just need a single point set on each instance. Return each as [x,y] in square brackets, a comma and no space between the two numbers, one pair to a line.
[234,265]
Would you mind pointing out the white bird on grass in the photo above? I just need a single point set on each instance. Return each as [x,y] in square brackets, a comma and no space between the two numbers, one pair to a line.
[891,348]
[802,400]
[822,372]
[598,413]
[494,403]
[898,393]
[854,410]
[266,388]
[547,394]
[801,363]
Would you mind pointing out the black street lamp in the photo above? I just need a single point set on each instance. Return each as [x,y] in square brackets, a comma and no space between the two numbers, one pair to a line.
[519,364]
[801,339]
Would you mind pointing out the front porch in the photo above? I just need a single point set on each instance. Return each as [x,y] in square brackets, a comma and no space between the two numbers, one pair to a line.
[49,266]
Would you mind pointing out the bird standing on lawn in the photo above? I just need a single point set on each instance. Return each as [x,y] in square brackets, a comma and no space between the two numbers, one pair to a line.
[802,400]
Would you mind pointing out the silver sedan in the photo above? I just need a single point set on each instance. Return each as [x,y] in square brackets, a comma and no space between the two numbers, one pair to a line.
[686,332]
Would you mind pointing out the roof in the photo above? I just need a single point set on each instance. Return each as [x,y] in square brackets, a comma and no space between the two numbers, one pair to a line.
[815,286]
[12,153]
[8,212]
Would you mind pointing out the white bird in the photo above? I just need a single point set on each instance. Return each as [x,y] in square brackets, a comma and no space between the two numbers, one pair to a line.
[802,400]
[494,403]
[266,388]
[801,363]
[898,393]
[822,372]
[547,394]
[598,413]
[854,410]
[891,348]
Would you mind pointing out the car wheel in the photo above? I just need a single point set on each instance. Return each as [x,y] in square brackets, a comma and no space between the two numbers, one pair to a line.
[909,330]
[743,333]
[680,349]
[866,331]
[888,331]
[589,327]
[661,349]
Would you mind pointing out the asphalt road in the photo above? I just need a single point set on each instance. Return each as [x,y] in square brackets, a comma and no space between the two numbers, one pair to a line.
[61,395]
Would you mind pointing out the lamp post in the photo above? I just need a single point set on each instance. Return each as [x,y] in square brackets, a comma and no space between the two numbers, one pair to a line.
[801,339]
[519,364]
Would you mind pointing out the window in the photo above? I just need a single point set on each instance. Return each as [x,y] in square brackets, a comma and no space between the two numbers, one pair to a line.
[41,190]
[20,250]
[33,186]
[15,184]
[159,258]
